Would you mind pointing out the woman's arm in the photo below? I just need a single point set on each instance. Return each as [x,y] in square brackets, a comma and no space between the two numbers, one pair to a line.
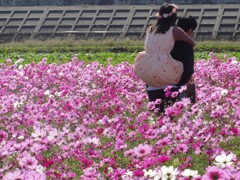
[180,35]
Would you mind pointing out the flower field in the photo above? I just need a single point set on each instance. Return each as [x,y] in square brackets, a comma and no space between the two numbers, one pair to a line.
[78,120]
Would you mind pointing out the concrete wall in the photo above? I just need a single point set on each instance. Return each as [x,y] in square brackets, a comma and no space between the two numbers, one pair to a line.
[108,2]
[119,21]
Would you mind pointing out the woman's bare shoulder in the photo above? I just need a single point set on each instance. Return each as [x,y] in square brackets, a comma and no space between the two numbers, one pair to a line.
[177,30]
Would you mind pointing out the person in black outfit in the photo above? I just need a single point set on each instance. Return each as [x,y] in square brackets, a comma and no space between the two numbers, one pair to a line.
[183,52]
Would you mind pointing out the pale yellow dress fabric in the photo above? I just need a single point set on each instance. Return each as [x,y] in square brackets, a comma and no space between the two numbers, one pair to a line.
[155,66]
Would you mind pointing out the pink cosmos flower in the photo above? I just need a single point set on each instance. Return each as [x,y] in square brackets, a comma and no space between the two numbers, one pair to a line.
[211,53]
[174,94]
[28,161]
[44,59]
[120,145]
[129,153]
[74,58]
[142,150]
[33,175]
[8,61]
[170,111]
[151,105]
[232,174]
[214,173]
[71,175]
[182,89]
[116,173]
[182,148]
[93,140]
[17,174]
[163,142]
[90,174]
[94,93]
[158,101]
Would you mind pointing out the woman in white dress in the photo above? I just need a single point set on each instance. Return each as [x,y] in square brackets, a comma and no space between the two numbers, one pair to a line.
[155,66]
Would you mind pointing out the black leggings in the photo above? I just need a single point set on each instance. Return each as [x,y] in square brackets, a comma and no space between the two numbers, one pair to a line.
[153,95]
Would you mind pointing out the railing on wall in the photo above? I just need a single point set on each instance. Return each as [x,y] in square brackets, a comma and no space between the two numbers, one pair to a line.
[108,2]
[81,22]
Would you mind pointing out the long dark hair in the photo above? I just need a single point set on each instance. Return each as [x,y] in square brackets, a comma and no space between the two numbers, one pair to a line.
[167,17]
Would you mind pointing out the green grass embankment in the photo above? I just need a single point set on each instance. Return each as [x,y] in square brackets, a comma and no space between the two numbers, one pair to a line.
[57,51]
[106,45]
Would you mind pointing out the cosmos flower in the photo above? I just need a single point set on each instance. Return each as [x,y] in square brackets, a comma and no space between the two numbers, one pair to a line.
[190,173]
[224,160]
[169,172]
[153,174]
[94,111]
[142,150]
[52,135]
[17,174]
[213,173]
[224,92]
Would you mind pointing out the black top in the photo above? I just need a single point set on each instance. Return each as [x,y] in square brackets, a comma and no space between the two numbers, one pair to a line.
[183,52]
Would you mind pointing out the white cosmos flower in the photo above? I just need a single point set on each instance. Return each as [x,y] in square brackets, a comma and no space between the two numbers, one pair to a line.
[149,173]
[52,135]
[224,160]
[61,74]
[90,140]
[158,175]
[19,61]
[20,137]
[169,173]
[58,94]
[234,62]
[21,73]
[40,169]
[51,96]
[110,169]
[189,173]
[155,174]
[17,104]
[47,93]
[224,92]
[127,175]
[38,133]
[20,67]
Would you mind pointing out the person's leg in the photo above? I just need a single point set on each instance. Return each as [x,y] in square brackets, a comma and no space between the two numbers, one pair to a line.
[153,95]
[191,92]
